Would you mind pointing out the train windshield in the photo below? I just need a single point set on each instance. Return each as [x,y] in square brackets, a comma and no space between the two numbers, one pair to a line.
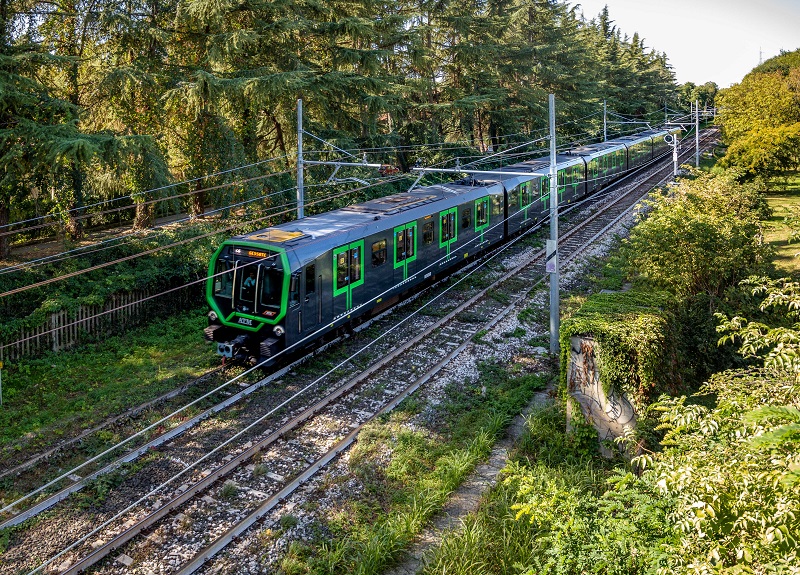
[258,287]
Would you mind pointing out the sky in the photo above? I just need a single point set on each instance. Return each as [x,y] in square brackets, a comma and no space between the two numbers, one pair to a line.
[707,40]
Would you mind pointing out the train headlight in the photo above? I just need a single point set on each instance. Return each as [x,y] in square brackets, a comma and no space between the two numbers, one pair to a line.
[212,316]
[278,330]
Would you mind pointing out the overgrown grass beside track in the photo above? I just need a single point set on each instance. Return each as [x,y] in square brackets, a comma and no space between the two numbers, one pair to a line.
[407,465]
[60,394]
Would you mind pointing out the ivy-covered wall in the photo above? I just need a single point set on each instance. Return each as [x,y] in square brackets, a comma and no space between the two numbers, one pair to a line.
[636,342]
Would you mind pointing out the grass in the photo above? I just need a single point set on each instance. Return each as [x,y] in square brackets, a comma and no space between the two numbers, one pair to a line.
[51,397]
[496,539]
[408,472]
[784,199]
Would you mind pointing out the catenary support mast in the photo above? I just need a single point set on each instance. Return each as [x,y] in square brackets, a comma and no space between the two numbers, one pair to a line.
[552,244]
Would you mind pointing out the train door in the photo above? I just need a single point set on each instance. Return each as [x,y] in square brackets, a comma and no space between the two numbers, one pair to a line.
[311,304]
[348,274]
[405,248]
[448,233]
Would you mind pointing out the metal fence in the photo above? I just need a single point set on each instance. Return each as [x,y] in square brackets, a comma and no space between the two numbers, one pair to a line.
[66,329]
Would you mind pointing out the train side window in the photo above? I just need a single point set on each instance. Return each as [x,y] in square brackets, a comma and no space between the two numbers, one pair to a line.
[448,226]
[525,194]
[404,243]
[481,212]
[466,219]
[513,200]
[342,269]
[355,265]
[311,281]
[400,245]
[427,232]
[379,253]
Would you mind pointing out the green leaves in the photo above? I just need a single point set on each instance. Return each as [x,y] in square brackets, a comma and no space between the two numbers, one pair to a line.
[760,118]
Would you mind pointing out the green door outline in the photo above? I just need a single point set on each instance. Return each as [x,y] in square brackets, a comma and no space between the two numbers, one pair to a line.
[404,261]
[355,252]
[452,214]
[484,201]
[544,191]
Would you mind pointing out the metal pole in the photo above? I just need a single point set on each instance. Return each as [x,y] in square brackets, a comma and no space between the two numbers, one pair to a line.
[605,122]
[551,265]
[1,384]
[697,133]
[300,190]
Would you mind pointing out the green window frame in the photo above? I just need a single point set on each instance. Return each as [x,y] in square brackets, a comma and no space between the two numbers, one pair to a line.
[482,214]
[405,244]
[448,232]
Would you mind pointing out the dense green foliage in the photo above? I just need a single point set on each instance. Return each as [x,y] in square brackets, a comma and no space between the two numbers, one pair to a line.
[702,237]
[104,100]
[760,118]
[720,497]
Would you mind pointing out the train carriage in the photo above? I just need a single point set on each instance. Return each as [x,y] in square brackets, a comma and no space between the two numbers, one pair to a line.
[273,289]
[604,162]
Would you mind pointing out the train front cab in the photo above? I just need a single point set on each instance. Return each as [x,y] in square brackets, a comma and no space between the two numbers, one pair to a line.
[247,291]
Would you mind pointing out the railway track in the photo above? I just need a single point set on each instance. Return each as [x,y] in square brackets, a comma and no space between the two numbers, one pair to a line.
[299,435]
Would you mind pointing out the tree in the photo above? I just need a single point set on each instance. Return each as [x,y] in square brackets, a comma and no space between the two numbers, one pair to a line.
[702,238]
[760,118]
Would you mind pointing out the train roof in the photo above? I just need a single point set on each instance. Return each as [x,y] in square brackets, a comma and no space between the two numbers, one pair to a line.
[305,239]
[591,151]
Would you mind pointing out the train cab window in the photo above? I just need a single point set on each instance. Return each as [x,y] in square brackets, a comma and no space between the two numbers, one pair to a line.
[223,279]
[513,200]
[311,279]
[294,289]
[427,232]
[379,253]
[247,277]
[466,219]
[271,284]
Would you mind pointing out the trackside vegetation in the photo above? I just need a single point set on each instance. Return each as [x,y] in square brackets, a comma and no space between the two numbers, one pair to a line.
[714,487]
[407,465]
